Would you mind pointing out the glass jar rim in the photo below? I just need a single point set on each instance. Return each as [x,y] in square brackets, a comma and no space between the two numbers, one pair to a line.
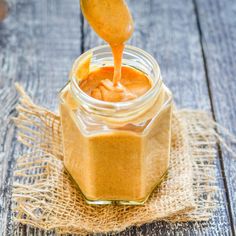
[80,95]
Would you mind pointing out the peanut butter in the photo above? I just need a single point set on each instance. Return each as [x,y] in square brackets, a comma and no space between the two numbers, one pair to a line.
[115,159]
[123,164]
[112,21]
[99,84]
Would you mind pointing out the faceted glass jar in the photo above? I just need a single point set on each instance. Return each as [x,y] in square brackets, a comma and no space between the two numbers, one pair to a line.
[117,152]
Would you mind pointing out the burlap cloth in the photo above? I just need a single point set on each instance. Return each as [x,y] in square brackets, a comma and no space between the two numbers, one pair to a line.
[45,196]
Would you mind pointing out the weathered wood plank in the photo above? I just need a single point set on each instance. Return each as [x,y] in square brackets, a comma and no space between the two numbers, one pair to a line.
[38,43]
[218,26]
[8,73]
[169,31]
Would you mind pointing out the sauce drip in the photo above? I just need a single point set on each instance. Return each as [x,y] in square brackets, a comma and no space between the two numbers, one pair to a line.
[117,54]
[112,21]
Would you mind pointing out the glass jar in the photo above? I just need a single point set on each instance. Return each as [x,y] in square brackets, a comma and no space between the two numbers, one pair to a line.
[117,152]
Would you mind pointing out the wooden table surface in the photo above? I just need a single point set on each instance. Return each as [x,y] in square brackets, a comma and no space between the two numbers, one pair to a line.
[194,42]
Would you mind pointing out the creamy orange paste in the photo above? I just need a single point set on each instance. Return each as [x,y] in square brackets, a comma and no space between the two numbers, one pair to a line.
[98,84]
[113,22]
[122,163]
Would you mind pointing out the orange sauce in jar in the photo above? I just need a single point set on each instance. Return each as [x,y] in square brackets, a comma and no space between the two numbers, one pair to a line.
[122,163]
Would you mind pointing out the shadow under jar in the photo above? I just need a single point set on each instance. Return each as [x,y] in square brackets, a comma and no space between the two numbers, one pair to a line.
[117,152]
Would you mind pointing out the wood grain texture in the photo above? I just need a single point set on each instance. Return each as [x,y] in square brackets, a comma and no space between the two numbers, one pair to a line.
[218,25]
[38,43]
[169,31]
[8,73]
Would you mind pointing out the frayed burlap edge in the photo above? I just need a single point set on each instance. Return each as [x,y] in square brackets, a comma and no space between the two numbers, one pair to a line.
[40,130]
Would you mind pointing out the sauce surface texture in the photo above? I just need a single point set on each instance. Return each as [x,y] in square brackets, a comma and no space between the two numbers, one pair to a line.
[99,85]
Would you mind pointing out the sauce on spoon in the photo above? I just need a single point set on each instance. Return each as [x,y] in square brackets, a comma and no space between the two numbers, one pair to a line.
[112,21]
